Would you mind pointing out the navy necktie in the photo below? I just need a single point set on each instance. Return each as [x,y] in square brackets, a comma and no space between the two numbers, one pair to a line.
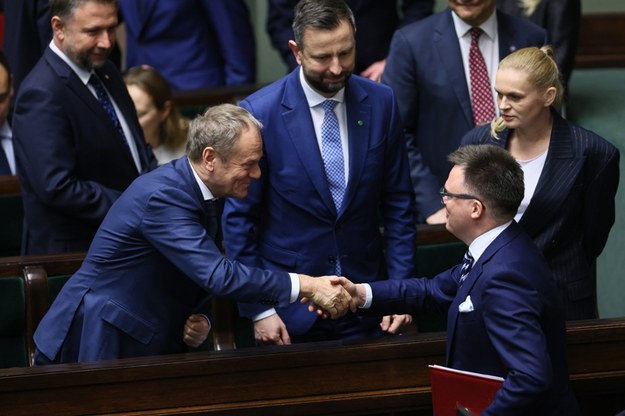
[467,263]
[213,209]
[107,105]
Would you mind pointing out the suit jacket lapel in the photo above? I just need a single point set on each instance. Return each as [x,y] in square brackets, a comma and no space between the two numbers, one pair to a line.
[297,119]
[558,176]
[474,275]
[450,56]
[358,131]
[128,112]
[82,91]
[507,36]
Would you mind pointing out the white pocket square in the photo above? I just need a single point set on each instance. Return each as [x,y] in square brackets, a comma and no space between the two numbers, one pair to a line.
[466,306]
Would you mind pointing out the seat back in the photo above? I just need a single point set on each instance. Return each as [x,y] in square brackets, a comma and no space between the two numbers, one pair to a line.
[12,217]
[13,340]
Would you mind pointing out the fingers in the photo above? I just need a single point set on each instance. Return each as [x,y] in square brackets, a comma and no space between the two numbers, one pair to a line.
[394,324]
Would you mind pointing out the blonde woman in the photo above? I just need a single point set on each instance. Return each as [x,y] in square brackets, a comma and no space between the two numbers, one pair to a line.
[571,174]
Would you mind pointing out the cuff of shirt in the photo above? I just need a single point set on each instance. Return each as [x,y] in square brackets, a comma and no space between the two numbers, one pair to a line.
[264,314]
[294,287]
[369,292]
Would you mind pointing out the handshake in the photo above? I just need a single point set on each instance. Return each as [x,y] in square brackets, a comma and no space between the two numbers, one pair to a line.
[331,295]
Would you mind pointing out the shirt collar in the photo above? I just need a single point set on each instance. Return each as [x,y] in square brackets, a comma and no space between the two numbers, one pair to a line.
[206,193]
[489,27]
[5,130]
[82,73]
[313,97]
[481,243]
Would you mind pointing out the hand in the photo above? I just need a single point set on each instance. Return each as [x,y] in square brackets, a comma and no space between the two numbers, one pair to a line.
[439,217]
[356,291]
[375,71]
[325,296]
[196,330]
[393,324]
[271,330]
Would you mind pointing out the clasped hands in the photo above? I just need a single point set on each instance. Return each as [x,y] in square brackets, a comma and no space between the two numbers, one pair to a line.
[330,296]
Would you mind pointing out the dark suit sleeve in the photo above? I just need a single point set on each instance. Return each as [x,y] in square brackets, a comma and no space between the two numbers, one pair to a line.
[45,149]
[190,249]
[563,21]
[400,75]
[415,295]
[279,20]
[397,207]
[511,310]
[413,10]
[599,203]
[233,27]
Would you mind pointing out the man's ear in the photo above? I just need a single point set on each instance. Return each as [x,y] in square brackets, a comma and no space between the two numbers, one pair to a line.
[57,28]
[297,52]
[477,209]
[209,156]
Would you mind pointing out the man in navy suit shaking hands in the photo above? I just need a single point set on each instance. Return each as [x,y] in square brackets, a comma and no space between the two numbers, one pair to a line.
[504,315]
[154,259]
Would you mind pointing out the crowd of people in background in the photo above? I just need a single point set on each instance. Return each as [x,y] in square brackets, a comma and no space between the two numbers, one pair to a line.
[356,136]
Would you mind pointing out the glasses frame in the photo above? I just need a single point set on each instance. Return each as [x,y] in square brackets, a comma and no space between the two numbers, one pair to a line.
[443,193]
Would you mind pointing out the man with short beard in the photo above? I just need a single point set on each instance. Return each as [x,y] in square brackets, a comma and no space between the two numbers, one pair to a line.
[320,213]
[78,143]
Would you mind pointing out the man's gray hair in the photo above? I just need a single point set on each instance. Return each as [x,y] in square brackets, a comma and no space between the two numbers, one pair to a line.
[220,128]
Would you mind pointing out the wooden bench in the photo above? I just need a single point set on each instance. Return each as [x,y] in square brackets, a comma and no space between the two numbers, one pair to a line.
[601,41]
[337,378]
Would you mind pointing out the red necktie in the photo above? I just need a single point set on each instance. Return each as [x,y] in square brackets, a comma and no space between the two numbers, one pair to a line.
[481,95]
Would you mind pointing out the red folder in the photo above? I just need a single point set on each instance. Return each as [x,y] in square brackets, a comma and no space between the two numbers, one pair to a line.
[456,391]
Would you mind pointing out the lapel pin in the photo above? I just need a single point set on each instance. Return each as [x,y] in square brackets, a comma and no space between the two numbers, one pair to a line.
[360,122]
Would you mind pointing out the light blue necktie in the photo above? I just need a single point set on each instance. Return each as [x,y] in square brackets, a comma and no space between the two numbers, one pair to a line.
[105,102]
[332,153]
[467,263]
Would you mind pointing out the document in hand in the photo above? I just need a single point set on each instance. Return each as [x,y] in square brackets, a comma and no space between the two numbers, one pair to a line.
[456,389]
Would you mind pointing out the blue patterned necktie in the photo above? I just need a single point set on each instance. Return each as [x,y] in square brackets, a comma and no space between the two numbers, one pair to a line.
[332,153]
[105,102]
[467,263]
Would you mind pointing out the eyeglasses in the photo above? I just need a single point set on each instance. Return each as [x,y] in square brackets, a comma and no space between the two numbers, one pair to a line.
[444,194]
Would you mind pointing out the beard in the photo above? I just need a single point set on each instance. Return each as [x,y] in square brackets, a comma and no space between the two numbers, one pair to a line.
[84,59]
[319,83]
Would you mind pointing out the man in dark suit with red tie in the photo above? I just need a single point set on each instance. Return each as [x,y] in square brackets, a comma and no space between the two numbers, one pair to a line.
[73,158]
[428,69]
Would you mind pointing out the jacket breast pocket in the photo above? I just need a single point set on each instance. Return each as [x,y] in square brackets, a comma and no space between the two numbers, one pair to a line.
[121,318]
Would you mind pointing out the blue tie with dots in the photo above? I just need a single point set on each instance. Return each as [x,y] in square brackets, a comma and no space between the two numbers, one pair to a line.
[332,153]
[105,102]
[467,263]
